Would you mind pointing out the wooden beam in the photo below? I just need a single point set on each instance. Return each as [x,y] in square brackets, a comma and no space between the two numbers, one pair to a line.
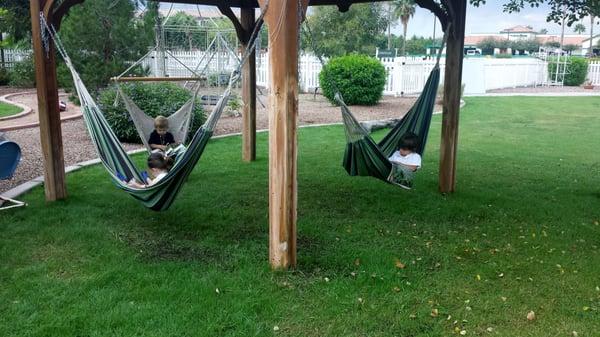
[283,20]
[247,22]
[452,96]
[62,10]
[156,79]
[49,115]
[239,29]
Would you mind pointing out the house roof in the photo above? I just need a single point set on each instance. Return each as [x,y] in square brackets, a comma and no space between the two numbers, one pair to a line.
[519,29]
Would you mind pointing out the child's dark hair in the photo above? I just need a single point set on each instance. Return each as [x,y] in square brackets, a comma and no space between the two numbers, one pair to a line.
[157,160]
[409,141]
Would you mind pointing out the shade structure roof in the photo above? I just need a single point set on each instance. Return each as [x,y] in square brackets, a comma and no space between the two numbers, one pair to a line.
[342,4]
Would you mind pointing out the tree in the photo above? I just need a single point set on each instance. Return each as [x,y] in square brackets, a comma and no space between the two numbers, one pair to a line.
[487,45]
[593,11]
[405,9]
[543,31]
[579,28]
[338,33]
[102,36]
[16,19]
[182,32]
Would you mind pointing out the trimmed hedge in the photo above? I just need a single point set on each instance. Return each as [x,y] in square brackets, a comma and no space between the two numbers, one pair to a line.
[361,79]
[154,99]
[577,71]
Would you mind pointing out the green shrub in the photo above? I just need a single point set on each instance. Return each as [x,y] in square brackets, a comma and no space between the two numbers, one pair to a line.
[503,56]
[360,79]
[22,74]
[154,99]
[4,76]
[576,73]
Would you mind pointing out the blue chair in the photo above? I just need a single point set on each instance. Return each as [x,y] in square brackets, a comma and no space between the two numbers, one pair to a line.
[10,155]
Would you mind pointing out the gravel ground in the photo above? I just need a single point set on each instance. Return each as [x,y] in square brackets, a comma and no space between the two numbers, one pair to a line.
[29,99]
[78,146]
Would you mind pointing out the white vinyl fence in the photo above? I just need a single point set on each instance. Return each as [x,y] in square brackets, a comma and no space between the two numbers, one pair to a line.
[594,73]
[405,75]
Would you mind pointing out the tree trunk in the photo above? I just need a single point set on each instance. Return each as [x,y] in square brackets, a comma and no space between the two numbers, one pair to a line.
[404,26]
[591,52]
[2,61]
[562,33]
[389,43]
[452,96]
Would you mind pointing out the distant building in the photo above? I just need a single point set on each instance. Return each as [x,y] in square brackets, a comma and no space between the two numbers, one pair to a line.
[523,33]
[517,33]
[585,46]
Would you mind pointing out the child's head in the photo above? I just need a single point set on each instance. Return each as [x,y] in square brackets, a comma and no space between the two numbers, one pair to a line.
[408,143]
[161,124]
[158,161]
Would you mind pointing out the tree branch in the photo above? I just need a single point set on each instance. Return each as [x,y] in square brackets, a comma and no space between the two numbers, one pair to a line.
[435,9]
[240,31]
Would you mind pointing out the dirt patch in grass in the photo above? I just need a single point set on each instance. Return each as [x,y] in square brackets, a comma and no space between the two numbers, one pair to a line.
[154,247]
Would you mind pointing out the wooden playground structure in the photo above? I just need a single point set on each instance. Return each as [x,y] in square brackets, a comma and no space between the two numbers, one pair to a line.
[283,17]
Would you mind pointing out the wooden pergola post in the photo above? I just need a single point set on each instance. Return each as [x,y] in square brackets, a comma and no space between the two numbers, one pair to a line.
[243,28]
[247,19]
[452,96]
[283,19]
[49,114]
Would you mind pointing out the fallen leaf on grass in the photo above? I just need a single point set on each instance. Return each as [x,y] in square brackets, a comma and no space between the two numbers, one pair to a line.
[434,313]
[399,264]
[531,316]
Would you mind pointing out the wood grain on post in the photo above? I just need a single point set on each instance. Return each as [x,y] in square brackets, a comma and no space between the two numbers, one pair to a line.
[452,96]
[49,114]
[282,19]
[247,20]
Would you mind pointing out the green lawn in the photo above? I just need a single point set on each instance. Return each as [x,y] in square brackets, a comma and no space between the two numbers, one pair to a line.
[521,233]
[8,110]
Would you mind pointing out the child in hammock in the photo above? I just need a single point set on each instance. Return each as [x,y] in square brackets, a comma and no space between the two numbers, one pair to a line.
[161,139]
[158,165]
[405,161]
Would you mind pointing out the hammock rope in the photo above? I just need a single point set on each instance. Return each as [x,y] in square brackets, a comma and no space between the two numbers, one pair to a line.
[365,157]
[161,195]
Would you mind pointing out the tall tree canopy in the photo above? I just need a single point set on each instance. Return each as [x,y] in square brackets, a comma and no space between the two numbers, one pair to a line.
[351,32]
[15,19]
[103,35]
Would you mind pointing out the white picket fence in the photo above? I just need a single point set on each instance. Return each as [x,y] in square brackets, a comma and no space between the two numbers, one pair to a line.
[12,56]
[405,75]
[594,73]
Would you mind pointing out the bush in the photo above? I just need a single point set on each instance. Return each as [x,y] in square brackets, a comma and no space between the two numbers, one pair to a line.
[4,76]
[576,74]
[22,74]
[361,79]
[154,99]
[503,56]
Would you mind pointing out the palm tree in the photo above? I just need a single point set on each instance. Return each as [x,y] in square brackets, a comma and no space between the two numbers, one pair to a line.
[405,9]
[579,28]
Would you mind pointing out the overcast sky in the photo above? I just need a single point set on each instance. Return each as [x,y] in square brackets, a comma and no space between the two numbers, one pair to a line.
[488,18]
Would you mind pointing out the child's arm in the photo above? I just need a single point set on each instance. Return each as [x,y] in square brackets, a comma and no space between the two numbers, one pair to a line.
[158,147]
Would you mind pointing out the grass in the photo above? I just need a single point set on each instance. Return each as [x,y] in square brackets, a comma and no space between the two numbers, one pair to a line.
[520,234]
[8,109]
